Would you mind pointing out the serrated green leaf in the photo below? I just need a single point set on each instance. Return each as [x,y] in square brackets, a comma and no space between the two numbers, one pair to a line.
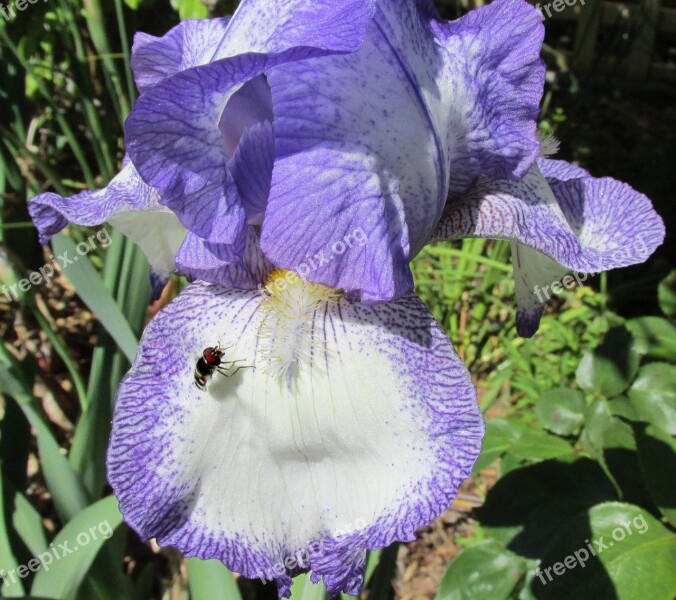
[486,571]
[622,407]
[653,395]
[561,411]
[597,420]
[534,446]
[610,440]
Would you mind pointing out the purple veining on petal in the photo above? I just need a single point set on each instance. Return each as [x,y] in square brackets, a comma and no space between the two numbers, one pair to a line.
[179,487]
[251,168]
[495,77]
[359,161]
[198,259]
[584,224]
[581,224]
[189,44]
[126,192]
[347,160]
[173,134]
[560,170]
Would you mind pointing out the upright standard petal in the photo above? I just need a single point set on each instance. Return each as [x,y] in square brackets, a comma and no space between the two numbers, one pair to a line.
[346,428]
[376,138]
[127,204]
[493,84]
[567,222]
[176,134]
[189,44]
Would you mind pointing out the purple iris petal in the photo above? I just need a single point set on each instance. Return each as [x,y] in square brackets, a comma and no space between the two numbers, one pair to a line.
[259,468]
[494,52]
[187,45]
[198,259]
[126,192]
[444,104]
[251,168]
[182,130]
[567,222]
[126,203]
[376,138]
[560,170]
[249,105]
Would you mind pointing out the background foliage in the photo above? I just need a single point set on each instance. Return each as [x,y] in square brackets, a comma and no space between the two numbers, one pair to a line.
[581,419]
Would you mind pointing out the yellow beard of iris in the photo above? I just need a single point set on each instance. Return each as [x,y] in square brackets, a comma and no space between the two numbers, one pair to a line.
[289,336]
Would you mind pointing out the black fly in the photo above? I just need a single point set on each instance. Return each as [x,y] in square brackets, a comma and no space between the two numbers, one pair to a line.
[212,361]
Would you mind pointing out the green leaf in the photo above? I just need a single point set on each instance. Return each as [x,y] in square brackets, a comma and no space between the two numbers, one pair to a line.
[304,589]
[190,9]
[561,411]
[666,294]
[637,562]
[210,579]
[501,434]
[27,522]
[83,536]
[657,457]
[67,490]
[125,271]
[622,407]
[96,295]
[486,571]
[384,573]
[526,506]
[610,440]
[653,395]
[535,446]
[610,367]
[9,587]
[597,421]
[655,337]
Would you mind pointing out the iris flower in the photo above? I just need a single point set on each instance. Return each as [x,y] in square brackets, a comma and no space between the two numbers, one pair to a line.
[292,161]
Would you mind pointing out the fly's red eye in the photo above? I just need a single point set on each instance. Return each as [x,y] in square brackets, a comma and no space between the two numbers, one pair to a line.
[210,356]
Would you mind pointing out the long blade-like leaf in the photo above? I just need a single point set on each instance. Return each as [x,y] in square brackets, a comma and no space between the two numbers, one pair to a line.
[83,536]
[95,295]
